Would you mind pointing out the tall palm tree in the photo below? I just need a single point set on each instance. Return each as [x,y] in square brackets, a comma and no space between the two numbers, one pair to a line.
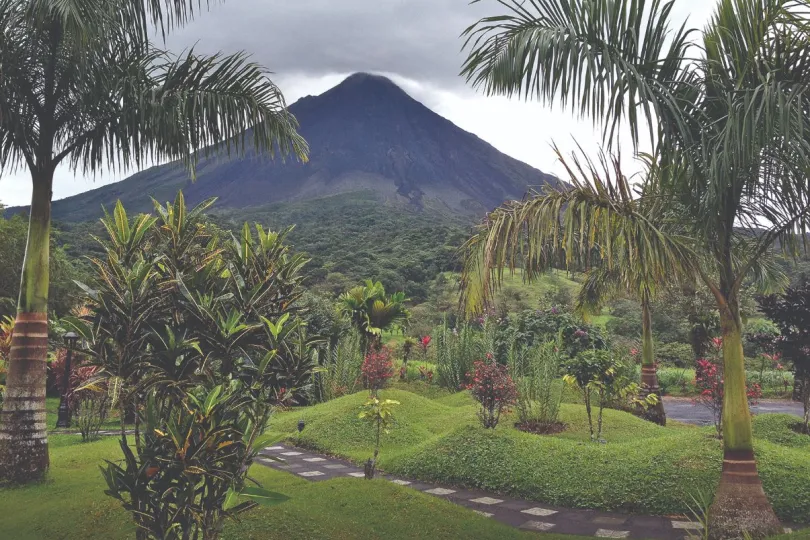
[727,117]
[83,83]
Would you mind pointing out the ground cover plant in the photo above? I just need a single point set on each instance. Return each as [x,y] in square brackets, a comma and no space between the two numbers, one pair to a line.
[642,468]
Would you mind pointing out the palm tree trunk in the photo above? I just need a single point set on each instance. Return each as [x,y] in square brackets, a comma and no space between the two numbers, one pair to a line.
[649,375]
[23,435]
[740,505]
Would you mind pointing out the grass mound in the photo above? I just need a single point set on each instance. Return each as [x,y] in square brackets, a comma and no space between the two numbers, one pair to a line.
[334,427]
[643,468]
[779,429]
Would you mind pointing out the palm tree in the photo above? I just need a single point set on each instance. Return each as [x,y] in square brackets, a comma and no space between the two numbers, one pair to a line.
[602,283]
[371,311]
[634,238]
[83,83]
[726,115]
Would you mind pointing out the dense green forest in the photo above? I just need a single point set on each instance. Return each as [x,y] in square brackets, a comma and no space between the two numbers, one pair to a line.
[349,238]
[352,237]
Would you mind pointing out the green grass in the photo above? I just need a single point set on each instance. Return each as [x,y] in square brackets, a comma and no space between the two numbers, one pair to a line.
[71,504]
[642,468]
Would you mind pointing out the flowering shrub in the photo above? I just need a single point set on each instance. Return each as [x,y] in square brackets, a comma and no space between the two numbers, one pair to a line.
[494,389]
[424,343]
[709,384]
[377,368]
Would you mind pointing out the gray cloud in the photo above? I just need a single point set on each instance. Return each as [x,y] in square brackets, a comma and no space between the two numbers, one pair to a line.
[417,39]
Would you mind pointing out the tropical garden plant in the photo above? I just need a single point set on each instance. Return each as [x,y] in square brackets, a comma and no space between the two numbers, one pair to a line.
[380,415]
[725,109]
[88,86]
[341,372]
[539,388]
[600,373]
[494,390]
[377,369]
[203,364]
[371,311]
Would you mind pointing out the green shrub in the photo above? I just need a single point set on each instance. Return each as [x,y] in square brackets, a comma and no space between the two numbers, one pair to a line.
[455,350]
[676,381]
[341,374]
[675,354]
[604,374]
[540,387]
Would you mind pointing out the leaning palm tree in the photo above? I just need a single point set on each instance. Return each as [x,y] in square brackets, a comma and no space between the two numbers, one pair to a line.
[85,84]
[727,115]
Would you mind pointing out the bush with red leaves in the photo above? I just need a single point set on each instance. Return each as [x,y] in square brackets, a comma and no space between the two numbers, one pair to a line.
[494,389]
[709,383]
[377,368]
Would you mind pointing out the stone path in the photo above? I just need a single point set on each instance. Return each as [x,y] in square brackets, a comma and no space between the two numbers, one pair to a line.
[523,514]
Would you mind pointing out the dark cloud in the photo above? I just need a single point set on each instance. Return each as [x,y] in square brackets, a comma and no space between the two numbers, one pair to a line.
[417,39]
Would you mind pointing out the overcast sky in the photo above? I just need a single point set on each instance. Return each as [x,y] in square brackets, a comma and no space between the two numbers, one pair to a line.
[311,45]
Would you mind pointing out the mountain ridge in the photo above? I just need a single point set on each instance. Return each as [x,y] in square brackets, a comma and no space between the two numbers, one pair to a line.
[366,133]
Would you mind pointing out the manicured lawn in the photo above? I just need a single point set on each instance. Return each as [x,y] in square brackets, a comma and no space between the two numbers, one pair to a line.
[642,468]
[71,504]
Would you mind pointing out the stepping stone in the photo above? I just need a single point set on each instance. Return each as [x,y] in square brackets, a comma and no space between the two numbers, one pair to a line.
[311,473]
[292,467]
[537,511]
[334,466]
[401,482]
[314,459]
[537,526]
[607,533]
[485,514]
[686,525]
[440,491]
[486,500]
[608,520]
[292,454]
[357,474]
[275,448]
[788,530]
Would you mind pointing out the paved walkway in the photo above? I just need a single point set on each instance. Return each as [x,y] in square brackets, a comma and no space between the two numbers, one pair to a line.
[683,410]
[523,514]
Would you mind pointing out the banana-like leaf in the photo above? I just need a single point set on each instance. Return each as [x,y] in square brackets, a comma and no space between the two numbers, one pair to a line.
[263,496]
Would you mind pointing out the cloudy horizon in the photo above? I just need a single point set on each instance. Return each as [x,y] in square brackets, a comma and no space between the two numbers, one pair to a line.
[312,45]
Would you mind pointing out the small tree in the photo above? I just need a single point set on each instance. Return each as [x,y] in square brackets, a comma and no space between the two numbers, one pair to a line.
[493,389]
[380,415]
[598,372]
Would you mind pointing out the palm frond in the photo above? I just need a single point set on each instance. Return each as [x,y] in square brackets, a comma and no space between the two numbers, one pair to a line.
[607,59]
[596,220]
